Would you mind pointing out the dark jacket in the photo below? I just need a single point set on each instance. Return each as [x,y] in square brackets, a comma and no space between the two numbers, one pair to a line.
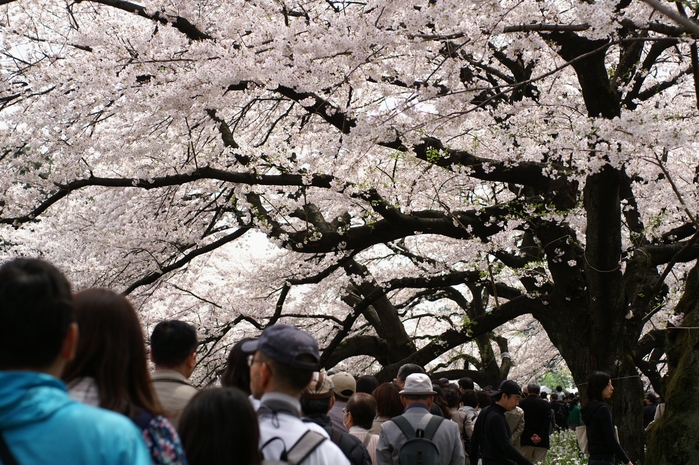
[491,439]
[649,414]
[352,447]
[537,419]
[601,437]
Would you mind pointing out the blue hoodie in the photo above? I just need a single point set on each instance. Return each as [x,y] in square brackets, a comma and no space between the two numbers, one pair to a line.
[42,425]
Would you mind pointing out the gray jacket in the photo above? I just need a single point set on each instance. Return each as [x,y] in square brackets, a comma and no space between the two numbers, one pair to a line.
[447,439]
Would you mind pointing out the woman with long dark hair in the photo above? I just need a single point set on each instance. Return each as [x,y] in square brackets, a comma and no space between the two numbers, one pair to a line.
[601,437]
[219,427]
[237,372]
[110,370]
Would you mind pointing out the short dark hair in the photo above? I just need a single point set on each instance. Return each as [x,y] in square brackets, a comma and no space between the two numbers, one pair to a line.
[367,383]
[483,398]
[452,396]
[408,369]
[172,342]
[219,427]
[36,310]
[315,406]
[469,398]
[388,402]
[596,384]
[466,383]
[362,406]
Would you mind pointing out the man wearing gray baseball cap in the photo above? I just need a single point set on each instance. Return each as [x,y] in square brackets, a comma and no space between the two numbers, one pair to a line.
[281,367]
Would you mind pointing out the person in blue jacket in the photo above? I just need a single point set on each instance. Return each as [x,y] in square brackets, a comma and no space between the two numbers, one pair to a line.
[39,423]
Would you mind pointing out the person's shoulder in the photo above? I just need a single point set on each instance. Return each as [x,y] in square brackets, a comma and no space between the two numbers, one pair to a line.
[417,413]
[449,426]
[77,412]
[350,438]
[100,422]
[596,409]
[163,379]
[105,430]
[312,426]
[328,453]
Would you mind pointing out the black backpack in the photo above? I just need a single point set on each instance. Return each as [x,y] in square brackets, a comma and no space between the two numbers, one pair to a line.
[419,448]
[561,416]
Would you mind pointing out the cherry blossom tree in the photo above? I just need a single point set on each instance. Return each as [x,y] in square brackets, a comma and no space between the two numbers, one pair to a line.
[427,170]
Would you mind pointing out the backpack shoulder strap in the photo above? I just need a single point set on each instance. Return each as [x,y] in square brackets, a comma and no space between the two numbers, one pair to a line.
[304,446]
[367,439]
[404,426]
[142,419]
[432,426]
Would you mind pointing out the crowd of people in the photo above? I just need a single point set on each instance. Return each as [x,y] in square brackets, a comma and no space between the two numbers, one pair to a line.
[75,388]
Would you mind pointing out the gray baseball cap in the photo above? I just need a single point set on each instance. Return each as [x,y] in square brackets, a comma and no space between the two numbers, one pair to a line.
[285,344]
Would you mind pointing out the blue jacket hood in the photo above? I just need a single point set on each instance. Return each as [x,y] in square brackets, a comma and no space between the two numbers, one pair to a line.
[29,397]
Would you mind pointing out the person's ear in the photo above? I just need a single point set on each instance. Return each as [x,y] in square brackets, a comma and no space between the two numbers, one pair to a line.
[70,343]
[192,360]
[265,375]
[430,400]
[150,356]
[402,401]
[350,420]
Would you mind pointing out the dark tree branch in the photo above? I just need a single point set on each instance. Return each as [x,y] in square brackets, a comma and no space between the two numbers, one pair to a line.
[524,173]
[656,49]
[152,277]
[547,27]
[451,338]
[173,180]
[178,22]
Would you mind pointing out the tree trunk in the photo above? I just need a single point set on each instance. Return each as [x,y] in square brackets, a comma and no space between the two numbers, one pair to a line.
[673,439]
[596,334]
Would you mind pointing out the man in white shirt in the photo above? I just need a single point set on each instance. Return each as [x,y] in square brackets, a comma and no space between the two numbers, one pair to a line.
[281,367]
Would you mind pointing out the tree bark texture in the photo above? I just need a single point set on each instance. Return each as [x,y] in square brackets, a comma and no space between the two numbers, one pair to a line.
[673,439]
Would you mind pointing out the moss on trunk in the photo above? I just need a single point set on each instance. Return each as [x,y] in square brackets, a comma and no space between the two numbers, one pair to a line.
[674,438]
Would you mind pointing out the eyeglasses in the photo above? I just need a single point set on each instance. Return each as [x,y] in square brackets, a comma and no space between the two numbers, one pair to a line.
[252,360]
[344,411]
